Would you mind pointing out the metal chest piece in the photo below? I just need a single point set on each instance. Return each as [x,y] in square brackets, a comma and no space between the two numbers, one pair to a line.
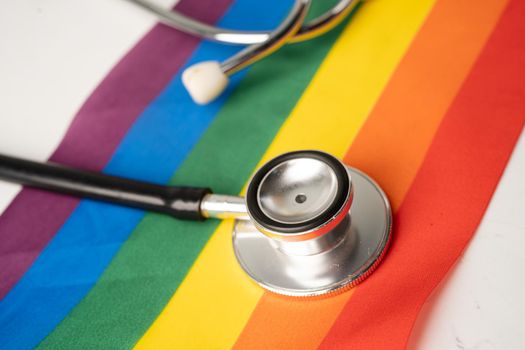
[317,226]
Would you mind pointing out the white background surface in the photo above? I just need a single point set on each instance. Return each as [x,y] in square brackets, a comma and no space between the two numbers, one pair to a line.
[54,53]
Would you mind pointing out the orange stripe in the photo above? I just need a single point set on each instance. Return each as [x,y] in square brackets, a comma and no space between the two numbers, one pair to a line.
[390,147]
[393,143]
[448,197]
[281,323]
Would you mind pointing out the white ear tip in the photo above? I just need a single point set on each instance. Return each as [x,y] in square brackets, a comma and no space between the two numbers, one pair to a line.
[204,81]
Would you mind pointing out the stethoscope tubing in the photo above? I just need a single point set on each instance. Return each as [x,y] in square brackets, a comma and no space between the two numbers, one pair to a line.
[177,201]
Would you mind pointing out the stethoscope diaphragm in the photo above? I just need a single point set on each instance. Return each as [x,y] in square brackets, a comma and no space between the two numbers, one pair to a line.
[324,226]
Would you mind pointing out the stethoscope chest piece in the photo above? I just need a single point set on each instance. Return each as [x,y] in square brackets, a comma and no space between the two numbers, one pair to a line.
[316,226]
[309,225]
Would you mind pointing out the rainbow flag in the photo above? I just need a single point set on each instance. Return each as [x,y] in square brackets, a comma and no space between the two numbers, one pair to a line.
[426,96]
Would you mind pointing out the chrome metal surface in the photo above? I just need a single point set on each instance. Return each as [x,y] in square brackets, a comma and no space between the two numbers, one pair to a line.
[297,190]
[224,207]
[325,22]
[315,245]
[301,196]
[309,30]
[253,53]
[350,253]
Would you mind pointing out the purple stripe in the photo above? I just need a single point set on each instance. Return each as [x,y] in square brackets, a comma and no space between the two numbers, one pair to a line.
[34,217]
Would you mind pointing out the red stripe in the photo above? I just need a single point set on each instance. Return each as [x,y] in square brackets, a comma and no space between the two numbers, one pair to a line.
[448,196]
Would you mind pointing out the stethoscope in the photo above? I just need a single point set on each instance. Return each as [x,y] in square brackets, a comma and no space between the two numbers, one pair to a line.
[207,80]
[308,225]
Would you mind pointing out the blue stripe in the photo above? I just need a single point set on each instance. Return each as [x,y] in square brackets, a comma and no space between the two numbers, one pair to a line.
[153,149]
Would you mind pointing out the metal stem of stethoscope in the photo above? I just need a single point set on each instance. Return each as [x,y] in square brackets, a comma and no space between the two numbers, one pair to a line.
[255,52]
[206,80]
[308,225]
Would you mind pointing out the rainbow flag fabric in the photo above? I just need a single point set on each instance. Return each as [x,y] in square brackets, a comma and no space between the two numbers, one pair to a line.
[426,96]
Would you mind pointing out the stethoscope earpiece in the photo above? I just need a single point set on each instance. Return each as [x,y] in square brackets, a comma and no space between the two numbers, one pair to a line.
[205,81]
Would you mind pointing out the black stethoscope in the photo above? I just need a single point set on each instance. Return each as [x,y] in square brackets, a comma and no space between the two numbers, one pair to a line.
[308,226]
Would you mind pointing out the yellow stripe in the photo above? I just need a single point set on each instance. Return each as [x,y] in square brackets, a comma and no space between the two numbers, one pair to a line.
[213,303]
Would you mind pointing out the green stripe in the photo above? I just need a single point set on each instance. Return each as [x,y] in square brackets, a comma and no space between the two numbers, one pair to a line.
[153,262]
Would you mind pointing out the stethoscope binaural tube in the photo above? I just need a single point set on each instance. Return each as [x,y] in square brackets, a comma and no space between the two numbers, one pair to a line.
[308,30]
[308,226]
[206,80]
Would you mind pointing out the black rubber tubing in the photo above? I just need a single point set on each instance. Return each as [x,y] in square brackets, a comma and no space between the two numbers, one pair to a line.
[177,201]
